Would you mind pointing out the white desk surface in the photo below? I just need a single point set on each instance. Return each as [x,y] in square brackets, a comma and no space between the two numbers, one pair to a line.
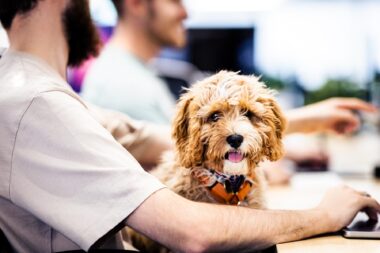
[305,191]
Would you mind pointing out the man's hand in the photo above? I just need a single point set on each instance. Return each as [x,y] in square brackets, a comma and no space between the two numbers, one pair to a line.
[331,115]
[341,204]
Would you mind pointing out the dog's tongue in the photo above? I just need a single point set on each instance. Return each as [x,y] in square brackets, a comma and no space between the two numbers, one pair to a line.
[235,157]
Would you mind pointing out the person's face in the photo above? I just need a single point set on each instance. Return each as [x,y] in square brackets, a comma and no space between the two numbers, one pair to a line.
[165,23]
[81,34]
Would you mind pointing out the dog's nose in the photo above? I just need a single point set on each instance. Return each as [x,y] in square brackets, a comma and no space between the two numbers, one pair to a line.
[235,140]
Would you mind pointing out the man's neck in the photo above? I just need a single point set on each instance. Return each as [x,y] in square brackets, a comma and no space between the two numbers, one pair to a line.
[134,40]
[41,37]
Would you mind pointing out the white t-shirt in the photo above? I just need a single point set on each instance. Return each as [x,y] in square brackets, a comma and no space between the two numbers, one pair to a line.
[120,81]
[64,180]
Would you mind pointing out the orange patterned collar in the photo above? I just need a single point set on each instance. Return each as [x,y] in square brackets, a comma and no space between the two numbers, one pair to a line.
[224,188]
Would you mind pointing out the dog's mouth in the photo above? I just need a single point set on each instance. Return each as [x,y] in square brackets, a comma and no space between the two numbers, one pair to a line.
[234,156]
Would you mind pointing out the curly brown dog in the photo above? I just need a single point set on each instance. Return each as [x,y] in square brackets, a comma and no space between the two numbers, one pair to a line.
[224,126]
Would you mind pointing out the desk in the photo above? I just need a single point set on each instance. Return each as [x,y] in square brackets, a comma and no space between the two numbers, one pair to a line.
[305,191]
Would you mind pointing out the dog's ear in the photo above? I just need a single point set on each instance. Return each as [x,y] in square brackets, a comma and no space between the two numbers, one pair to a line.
[181,130]
[194,152]
[275,119]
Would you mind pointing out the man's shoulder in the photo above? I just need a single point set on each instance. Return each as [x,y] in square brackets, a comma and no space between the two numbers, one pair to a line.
[23,73]
[21,80]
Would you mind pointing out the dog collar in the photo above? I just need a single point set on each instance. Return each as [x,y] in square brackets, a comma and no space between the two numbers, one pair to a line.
[224,188]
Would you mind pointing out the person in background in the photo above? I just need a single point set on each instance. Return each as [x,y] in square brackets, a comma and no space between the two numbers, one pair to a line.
[120,78]
[110,85]
[67,184]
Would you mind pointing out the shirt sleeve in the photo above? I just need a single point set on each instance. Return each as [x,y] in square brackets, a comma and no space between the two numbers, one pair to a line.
[68,171]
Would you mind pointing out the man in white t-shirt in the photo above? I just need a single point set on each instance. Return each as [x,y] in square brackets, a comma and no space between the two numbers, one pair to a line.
[120,78]
[67,184]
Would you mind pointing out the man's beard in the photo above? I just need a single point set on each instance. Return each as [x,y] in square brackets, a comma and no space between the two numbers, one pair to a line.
[160,36]
[81,34]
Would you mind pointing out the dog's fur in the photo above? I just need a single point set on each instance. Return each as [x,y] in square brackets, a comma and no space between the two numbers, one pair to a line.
[211,110]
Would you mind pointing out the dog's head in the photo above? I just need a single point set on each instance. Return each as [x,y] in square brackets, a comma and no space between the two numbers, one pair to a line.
[229,123]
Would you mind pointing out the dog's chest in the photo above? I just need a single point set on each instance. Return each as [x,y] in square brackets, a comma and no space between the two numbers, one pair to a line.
[180,180]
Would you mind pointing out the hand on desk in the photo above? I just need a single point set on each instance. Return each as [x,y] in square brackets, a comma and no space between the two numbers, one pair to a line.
[341,204]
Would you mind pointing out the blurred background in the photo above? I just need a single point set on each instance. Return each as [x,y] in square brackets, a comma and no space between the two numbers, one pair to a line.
[312,49]
[308,50]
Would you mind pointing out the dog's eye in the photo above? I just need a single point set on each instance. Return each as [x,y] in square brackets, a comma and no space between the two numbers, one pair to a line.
[248,114]
[214,117]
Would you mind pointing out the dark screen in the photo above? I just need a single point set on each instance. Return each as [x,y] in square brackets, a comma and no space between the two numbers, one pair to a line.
[220,48]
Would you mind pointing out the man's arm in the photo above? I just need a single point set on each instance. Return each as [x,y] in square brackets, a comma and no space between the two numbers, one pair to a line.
[146,142]
[187,226]
[334,115]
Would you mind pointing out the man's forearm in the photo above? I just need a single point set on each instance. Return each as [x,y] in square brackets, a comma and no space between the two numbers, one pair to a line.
[242,229]
[271,227]
[297,122]
[197,227]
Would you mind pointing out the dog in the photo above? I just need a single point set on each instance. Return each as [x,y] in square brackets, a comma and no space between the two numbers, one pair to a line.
[224,127]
